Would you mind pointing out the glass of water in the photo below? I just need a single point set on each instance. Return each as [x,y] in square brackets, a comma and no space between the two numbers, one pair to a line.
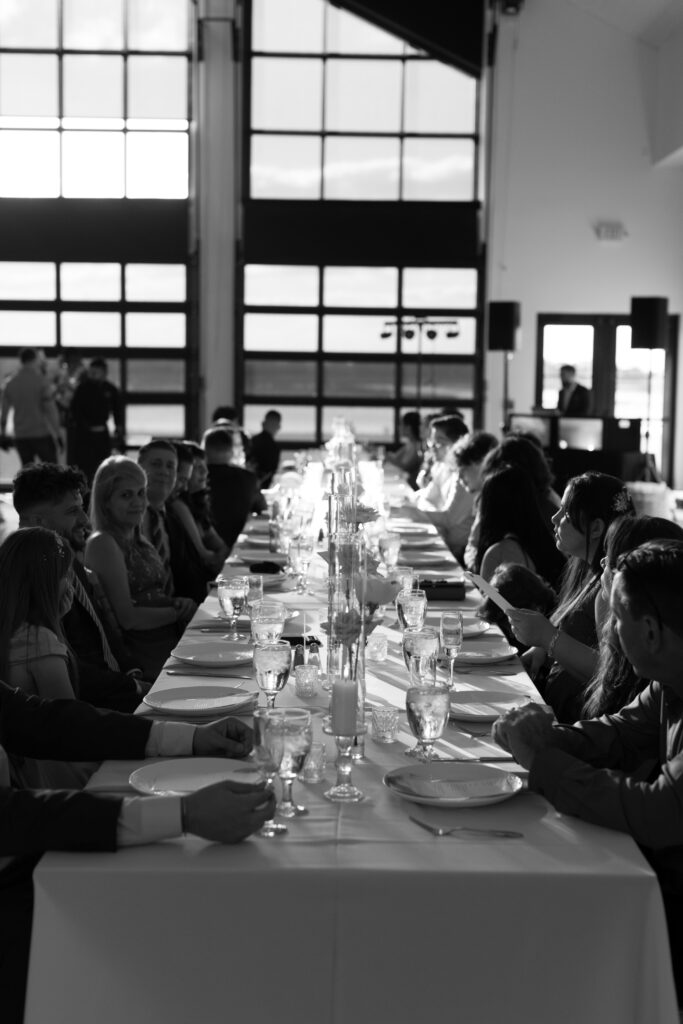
[389,545]
[451,639]
[232,597]
[420,651]
[272,664]
[255,593]
[427,708]
[263,757]
[267,621]
[289,735]
[411,608]
[300,555]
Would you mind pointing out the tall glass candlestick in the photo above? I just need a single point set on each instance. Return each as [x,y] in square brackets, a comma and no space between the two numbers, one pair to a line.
[344,710]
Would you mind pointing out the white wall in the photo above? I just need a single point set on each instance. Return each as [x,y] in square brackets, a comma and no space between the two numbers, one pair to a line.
[573,107]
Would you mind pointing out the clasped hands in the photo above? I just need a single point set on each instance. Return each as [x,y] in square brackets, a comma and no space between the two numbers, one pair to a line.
[228,811]
[523,732]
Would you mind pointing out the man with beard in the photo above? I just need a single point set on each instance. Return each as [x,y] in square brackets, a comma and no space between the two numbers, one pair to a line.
[52,496]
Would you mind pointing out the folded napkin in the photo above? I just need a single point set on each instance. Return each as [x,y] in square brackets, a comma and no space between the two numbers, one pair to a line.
[453,789]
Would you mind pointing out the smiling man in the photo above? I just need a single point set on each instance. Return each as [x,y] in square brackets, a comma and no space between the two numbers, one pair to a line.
[625,771]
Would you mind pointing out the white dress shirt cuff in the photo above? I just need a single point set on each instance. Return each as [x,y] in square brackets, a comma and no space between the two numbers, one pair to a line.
[170,739]
[148,820]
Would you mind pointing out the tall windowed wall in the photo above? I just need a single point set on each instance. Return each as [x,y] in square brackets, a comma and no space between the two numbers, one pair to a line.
[361,282]
[94,158]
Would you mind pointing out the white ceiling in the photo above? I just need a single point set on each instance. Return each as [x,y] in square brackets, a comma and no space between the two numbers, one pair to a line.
[653,21]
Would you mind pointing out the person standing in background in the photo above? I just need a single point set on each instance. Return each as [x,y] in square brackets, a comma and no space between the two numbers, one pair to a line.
[94,401]
[264,455]
[36,418]
[573,399]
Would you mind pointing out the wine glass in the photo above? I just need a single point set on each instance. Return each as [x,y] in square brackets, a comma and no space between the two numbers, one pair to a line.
[451,639]
[232,596]
[420,650]
[255,593]
[411,608]
[289,735]
[267,768]
[300,556]
[427,708]
[290,530]
[272,663]
[389,545]
[267,621]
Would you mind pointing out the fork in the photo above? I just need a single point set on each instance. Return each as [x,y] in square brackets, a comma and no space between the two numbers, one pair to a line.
[437,830]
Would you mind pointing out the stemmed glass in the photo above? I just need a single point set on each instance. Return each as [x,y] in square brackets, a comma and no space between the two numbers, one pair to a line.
[255,593]
[267,768]
[411,608]
[300,555]
[389,545]
[290,530]
[232,596]
[272,664]
[427,708]
[451,639]
[289,735]
[267,621]
[420,651]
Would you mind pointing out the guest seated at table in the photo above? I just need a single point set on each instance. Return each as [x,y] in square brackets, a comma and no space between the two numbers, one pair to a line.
[50,495]
[185,575]
[523,588]
[33,822]
[591,770]
[132,575]
[515,450]
[191,506]
[590,503]
[469,454]
[235,493]
[408,458]
[264,451]
[447,503]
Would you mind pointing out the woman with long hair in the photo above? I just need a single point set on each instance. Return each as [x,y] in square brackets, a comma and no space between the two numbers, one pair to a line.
[408,457]
[192,507]
[512,529]
[563,654]
[129,570]
[615,684]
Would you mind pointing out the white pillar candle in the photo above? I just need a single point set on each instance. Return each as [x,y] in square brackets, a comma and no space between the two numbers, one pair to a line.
[344,707]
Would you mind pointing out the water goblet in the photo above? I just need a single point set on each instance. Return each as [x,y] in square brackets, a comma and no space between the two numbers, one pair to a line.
[267,621]
[255,593]
[272,663]
[289,735]
[267,768]
[451,639]
[389,545]
[300,556]
[232,595]
[420,651]
[427,708]
[411,608]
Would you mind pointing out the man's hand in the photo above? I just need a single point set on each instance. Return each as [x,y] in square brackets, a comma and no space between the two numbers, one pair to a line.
[227,812]
[228,737]
[531,627]
[523,732]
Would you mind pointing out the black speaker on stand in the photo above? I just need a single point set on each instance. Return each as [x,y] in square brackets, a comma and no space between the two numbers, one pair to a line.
[649,329]
[503,330]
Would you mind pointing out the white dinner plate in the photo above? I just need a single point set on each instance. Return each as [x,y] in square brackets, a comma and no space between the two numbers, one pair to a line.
[453,784]
[188,774]
[271,580]
[490,654]
[212,654]
[199,700]
[484,705]
[407,528]
[419,541]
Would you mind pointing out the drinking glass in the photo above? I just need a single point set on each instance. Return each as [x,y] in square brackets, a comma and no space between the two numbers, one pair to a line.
[255,593]
[272,663]
[289,735]
[420,651]
[427,708]
[267,621]
[409,579]
[411,608]
[389,545]
[451,639]
[267,768]
[300,556]
[290,530]
[232,596]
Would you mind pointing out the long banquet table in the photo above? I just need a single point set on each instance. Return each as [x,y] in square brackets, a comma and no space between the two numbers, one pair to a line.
[357,915]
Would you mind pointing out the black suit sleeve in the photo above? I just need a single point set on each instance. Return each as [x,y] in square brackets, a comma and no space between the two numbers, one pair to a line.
[32,821]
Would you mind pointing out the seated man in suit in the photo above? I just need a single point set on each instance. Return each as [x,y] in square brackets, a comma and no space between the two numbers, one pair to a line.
[264,457]
[50,495]
[591,769]
[234,491]
[573,399]
[32,822]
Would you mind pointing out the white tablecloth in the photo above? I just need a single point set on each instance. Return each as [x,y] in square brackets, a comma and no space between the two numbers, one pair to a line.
[358,916]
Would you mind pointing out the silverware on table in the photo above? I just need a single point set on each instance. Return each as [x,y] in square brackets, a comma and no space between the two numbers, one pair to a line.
[438,830]
[204,673]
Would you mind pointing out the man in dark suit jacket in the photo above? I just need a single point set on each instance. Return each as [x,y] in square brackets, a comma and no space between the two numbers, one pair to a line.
[52,496]
[573,399]
[34,821]
[264,456]
[234,491]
